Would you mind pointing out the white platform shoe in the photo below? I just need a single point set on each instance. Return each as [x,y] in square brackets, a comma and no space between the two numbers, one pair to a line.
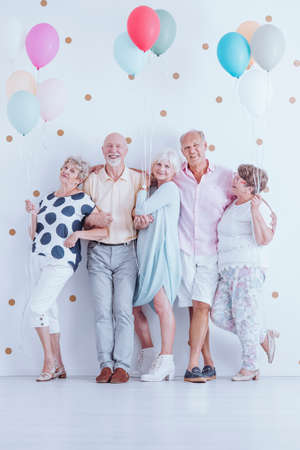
[144,361]
[163,368]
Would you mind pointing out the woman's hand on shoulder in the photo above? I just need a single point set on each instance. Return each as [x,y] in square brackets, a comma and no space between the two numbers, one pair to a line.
[30,208]
[96,169]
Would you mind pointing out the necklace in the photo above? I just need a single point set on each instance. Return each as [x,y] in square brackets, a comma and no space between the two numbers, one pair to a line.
[65,194]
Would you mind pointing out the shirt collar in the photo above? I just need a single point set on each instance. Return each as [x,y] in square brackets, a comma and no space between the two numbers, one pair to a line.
[106,177]
[210,168]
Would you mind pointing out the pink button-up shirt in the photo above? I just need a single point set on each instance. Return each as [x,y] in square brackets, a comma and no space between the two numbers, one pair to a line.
[202,206]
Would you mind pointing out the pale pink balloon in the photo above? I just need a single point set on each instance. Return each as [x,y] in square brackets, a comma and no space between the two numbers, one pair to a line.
[52,97]
[42,44]
[20,81]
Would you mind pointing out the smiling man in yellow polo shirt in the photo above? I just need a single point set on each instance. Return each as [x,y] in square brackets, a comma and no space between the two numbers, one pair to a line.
[112,264]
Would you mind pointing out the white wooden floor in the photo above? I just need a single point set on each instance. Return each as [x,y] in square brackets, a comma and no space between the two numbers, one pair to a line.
[78,414]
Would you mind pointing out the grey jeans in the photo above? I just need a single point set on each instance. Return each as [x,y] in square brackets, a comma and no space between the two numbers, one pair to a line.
[112,273]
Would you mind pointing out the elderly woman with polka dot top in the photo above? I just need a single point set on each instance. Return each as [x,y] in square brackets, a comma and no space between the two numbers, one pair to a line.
[56,230]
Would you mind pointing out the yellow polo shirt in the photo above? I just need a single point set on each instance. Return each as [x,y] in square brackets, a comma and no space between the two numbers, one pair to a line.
[117,198]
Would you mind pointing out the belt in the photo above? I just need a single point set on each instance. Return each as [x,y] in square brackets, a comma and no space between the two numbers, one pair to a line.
[115,245]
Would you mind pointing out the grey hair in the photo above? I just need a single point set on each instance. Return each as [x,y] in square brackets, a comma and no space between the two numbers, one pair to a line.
[168,155]
[81,165]
[201,134]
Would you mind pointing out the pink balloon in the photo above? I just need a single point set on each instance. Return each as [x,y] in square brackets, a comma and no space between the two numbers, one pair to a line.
[52,97]
[42,44]
[143,26]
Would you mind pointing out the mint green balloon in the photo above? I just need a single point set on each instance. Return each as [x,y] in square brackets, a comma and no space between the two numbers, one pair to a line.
[23,111]
[167,32]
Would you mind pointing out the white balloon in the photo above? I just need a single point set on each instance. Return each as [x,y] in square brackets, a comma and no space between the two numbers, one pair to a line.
[52,97]
[255,92]
[12,38]
[267,46]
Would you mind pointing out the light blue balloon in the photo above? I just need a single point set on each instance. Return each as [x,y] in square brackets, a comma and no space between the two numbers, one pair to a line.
[23,111]
[167,32]
[128,56]
[234,53]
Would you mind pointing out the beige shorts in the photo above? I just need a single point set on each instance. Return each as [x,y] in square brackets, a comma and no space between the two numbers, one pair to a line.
[199,281]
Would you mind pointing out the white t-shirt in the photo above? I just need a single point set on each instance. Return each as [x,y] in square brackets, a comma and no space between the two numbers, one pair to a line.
[57,219]
[236,239]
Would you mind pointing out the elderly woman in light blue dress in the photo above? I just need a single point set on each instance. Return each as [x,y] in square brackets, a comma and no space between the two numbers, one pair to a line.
[159,260]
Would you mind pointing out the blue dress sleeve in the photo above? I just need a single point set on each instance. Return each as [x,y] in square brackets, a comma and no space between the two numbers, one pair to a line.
[165,195]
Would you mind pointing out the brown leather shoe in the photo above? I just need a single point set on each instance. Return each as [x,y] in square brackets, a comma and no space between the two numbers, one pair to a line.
[104,376]
[119,376]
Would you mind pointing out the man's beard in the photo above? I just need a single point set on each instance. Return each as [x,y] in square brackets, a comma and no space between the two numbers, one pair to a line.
[113,162]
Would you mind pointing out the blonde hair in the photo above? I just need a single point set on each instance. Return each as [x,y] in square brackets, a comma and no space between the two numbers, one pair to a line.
[81,165]
[166,155]
[255,177]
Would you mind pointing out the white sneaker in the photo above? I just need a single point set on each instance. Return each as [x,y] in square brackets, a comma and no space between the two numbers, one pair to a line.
[144,361]
[163,368]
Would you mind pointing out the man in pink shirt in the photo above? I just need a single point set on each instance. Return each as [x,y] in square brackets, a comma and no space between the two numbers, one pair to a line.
[205,193]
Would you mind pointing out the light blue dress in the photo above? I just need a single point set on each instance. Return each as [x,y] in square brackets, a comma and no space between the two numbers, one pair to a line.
[158,251]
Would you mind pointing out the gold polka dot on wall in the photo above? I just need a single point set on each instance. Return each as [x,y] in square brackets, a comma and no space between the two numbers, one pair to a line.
[60,132]
[297,63]
[8,350]
[211,147]
[205,46]
[72,298]
[275,294]
[43,3]
[12,231]
[9,138]
[163,113]
[68,40]
[88,97]
[176,75]
[266,189]
[219,99]
[11,302]
[128,140]
[36,193]
[131,77]
[292,100]
[259,141]
[269,19]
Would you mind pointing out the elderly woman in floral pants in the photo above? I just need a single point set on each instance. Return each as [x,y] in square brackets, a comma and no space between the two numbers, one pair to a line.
[242,232]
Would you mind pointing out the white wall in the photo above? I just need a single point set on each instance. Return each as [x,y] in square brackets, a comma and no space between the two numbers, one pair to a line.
[133,108]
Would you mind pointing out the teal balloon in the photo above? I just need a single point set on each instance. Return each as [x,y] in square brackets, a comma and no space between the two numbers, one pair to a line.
[128,56]
[234,53]
[23,111]
[167,32]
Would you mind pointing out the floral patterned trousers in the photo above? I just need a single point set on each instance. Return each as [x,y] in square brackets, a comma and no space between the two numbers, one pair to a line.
[236,309]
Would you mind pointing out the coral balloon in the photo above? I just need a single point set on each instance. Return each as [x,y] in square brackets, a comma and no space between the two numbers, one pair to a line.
[23,111]
[247,29]
[143,27]
[42,44]
[52,96]
[20,81]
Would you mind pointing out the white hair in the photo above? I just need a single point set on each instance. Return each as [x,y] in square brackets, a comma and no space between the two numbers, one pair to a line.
[81,165]
[168,155]
[201,134]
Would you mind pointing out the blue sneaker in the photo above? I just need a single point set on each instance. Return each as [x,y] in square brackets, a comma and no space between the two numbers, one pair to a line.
[194,376]
[209,373]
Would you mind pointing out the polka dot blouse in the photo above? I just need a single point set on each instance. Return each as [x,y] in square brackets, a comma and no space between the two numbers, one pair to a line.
[57,219]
